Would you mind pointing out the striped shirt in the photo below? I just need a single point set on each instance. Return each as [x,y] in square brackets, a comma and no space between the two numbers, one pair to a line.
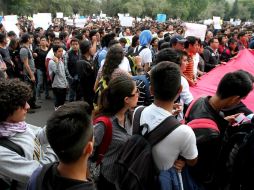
[143,99]
[189,72]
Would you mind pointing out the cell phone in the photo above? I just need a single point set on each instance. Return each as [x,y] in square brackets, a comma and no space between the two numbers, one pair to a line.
[239,119]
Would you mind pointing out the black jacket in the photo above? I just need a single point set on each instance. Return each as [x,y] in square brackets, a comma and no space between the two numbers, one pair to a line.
[211,59]
[48,178]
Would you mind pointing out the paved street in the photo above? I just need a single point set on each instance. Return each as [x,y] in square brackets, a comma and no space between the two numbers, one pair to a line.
[41,115]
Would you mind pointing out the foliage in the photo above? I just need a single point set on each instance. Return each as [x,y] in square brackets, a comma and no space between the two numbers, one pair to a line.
[184,9]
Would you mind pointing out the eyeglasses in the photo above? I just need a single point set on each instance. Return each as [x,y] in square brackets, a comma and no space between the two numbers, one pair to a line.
[137,92]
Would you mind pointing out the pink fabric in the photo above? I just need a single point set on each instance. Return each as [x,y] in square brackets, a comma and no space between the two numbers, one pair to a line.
[208,83]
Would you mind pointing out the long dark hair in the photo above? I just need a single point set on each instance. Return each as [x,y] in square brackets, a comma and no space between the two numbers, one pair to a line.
[112,98]
[113,59]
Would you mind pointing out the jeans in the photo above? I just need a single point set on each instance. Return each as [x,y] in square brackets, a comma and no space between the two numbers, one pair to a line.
[41,79]
[28,81]
[72,90]
[60,94]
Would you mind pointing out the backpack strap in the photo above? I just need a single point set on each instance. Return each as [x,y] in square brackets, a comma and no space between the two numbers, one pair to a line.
[107,137]
[162,130]
[137,52]
[136,120]
[12,146]
[15,148]
[189,108]
[141,49]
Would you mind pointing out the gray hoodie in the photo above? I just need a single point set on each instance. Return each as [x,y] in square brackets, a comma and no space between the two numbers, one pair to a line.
[37,153]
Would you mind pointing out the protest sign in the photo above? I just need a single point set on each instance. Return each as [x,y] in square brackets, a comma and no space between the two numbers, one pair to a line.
[197,30]
[69,22]
[43,20]
[217,22]
[161,17]
[59,15]
[80,23]
[9,22]
[126,21]
[208,21]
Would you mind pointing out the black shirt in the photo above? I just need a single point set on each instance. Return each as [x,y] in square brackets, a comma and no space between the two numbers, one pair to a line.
[40,59]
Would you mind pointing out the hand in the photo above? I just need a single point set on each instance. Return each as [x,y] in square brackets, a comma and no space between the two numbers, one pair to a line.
[33,78]
[179,165]
[231,118]
[35,54]
[94,39]
[223,63]
[193,83]
[55,59]
[177,108]
[138,60]
[3,66]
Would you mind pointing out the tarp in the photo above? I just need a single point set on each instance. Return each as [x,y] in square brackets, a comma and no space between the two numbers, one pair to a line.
[208,83]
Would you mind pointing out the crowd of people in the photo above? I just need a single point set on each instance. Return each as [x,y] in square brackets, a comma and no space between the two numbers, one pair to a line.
[100,76]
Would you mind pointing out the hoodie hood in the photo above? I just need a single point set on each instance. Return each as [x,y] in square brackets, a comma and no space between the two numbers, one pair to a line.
[145,37]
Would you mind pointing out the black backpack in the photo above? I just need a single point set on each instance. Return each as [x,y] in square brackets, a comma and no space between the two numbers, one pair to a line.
[16,148]
[236,162]
[131,57]
[135,164]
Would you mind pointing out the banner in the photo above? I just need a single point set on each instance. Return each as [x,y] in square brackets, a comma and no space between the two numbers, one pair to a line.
[197,30]
[207,85]
[161,17]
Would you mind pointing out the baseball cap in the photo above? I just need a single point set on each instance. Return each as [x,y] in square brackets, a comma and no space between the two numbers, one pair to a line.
[177,38]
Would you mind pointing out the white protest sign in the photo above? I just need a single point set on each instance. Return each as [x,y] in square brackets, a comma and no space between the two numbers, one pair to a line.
[197,30]
[231,21]
[59,15]
[138,19]
[11,18]
[80,23]
[43,20]
[120,15]
[9,22]
[217,22]
[126,21]
[208,21]
[69,22]
[238,22]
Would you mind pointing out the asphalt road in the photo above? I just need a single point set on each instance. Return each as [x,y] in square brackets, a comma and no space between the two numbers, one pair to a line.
[39,118]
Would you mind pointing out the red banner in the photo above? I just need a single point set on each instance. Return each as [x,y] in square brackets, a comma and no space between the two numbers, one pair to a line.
[208,83]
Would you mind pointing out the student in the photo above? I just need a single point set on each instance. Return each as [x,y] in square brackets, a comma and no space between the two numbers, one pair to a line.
[233,87]
[166,87]
[15,169]
[118,98]
[57,75]
[70,134]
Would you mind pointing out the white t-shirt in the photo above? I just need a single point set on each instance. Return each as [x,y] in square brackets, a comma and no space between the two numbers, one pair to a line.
[124,65]
[185,96]
[195,66]
[181,141]
[145,54]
